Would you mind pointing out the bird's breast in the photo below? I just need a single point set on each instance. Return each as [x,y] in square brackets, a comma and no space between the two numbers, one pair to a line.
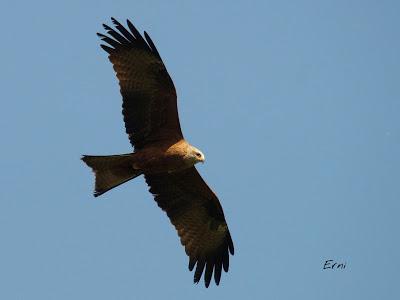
[163,160]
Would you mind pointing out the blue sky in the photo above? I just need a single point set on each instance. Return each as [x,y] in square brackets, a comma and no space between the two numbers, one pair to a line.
[295,105]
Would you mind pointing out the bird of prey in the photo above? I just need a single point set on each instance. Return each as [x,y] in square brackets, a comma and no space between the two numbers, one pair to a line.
[161,154]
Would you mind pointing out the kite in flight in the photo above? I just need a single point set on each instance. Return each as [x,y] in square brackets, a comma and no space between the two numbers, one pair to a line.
[161,154]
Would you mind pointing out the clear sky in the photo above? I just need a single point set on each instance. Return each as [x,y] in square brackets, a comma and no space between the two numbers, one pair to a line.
[295,105]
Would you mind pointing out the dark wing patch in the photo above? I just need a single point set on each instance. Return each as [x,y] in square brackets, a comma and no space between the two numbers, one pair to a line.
[198,217]
[149,98]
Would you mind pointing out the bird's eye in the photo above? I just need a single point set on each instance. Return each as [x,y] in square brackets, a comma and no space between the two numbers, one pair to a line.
[198,154]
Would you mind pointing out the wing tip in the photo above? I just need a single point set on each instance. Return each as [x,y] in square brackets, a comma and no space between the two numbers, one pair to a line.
[109,50]
[211,266]
[130,38]
[192,263]
[151,45]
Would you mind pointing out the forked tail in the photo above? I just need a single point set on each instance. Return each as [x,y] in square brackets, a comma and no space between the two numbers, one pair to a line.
[111,171]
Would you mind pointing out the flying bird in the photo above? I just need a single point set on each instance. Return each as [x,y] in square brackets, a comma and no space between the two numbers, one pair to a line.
[161,154]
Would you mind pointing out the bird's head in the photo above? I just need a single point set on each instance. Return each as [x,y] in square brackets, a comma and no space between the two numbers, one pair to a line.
[196,155]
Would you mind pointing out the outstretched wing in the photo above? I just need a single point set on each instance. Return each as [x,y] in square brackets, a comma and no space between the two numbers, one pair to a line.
[149,97]
[197,215]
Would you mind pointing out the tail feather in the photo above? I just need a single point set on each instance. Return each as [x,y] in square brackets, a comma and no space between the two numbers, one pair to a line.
[111,171]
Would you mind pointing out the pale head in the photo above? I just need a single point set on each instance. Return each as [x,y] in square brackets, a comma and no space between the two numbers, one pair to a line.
[195,155]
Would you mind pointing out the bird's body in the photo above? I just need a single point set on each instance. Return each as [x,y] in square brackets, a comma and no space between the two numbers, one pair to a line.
[167,158]
[161,153]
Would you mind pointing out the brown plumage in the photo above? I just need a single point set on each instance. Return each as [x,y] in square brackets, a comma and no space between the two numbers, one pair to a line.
[161,153]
